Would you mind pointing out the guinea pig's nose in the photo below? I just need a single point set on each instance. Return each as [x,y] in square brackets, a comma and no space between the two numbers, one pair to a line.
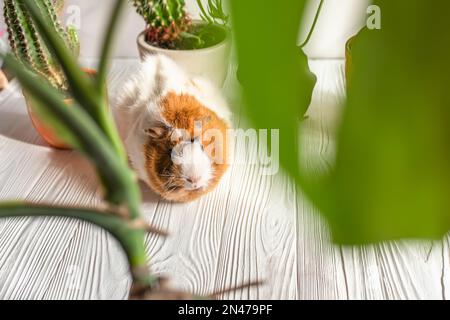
[193,181]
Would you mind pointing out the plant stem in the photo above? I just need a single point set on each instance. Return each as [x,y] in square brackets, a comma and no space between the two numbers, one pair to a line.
[107,44]
[130,238]
[188,35]
[104,117]
[203,14]
[313,26]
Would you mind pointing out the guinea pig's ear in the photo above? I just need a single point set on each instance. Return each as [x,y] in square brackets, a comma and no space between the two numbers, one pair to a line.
[158,131]
[207,119]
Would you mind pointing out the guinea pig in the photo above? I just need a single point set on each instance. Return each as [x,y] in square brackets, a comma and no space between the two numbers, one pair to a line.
[174,128]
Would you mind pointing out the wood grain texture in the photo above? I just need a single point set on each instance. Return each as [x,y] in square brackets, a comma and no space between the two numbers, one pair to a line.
[253,227]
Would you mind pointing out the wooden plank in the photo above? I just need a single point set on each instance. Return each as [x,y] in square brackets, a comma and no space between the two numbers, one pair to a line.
[445,273]
[396,270]
[321,274]
[258,241]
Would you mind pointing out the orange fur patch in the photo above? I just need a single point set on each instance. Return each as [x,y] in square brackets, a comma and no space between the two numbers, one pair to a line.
[183,112]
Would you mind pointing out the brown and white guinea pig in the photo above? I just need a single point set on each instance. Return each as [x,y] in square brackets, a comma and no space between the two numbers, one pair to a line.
[174,128]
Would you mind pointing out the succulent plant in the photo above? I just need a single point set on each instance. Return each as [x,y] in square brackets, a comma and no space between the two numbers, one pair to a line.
[166,20]
[213,12]
[28,46]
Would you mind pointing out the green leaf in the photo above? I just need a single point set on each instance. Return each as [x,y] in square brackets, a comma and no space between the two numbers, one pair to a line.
[391,177]
[103,116]
[130,238]
[51,121]
[203,14]
[106,220]
[392,174]
[273,70]
[105,55]
[213,13]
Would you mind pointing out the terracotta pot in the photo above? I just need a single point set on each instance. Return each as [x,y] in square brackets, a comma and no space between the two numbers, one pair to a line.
[3,81]
[211,63]
[47,133]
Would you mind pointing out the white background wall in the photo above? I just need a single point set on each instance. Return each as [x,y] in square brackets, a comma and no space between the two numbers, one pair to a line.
[338,21]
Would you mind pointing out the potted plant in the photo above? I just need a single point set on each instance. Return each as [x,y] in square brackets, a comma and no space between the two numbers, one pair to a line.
[28,46]
[201,47]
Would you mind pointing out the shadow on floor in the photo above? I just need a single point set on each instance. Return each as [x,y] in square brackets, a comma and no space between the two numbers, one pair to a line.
[16,125]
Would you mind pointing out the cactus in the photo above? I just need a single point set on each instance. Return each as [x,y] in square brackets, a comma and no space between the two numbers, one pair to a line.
[59,6]
[27,45]
[166,20]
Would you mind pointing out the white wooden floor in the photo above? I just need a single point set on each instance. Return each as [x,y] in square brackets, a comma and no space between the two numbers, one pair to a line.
[252,227]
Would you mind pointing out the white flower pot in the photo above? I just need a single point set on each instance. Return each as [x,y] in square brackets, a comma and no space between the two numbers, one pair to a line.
[211,63]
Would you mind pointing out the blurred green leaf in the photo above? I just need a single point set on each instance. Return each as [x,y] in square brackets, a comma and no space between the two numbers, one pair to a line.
[106,220]
[127,234]
[107,47]
[273,70]
[392,173]
[391,177]
[51,120]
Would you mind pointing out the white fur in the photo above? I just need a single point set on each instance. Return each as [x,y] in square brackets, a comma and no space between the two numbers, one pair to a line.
[137,109]
[195,164]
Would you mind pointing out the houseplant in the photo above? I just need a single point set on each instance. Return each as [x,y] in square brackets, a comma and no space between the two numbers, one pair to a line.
[201,47]
[389,176]
[27,45]
[89,128]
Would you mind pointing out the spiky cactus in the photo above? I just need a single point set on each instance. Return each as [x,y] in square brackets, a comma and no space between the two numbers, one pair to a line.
[58,5]
[166,20]
[27,45]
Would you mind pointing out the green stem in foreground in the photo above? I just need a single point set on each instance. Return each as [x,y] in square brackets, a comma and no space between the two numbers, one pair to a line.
[108,44]
[104,117]
[130,237]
